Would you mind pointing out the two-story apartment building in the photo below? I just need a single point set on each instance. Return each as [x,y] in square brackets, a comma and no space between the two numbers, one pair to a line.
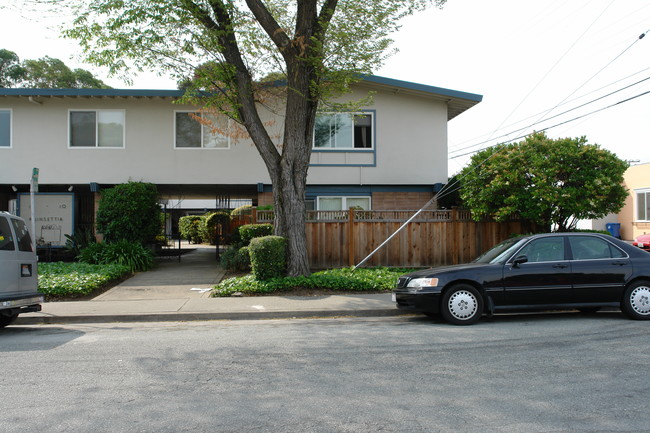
[389,155]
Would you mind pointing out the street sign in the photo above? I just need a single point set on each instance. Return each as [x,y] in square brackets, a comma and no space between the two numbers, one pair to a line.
[34,181]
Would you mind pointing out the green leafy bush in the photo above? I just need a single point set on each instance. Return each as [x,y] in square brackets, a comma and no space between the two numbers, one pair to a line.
[93,254]
[209,223]
[79,240]
[251,231]
[241,210]
[130,254]
[338,280]
[190,228]
[268,257]
[236,259]
[129,211]
[76,279]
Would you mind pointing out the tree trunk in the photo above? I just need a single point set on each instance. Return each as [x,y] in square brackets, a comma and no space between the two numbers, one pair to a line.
[289,182]
[303,58]
[288,196]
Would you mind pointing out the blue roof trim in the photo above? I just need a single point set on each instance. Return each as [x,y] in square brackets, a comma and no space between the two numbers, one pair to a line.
[92,92]
[423,88]
[178,93]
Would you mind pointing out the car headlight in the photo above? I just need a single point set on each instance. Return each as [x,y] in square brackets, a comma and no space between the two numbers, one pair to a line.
[417,283]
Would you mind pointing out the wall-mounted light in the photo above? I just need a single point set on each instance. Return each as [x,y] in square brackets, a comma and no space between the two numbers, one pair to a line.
[70,188]
[13,187]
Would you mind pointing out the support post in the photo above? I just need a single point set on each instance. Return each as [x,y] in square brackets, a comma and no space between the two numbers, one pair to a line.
[351,237]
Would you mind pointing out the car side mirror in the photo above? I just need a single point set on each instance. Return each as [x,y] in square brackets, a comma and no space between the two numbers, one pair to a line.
[519,260]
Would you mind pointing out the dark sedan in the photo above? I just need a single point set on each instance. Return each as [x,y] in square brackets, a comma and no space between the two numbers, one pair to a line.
[581,271]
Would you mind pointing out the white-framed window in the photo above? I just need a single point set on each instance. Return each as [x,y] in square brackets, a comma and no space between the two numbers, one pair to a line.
[642,202]
[342,202]
[190,133]
[344,131]
[96,128]
[5,128]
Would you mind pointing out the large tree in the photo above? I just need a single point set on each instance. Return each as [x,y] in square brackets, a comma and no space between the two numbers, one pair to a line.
[553,183]
[45,72]
[11,72]
[48,72]
[319,46]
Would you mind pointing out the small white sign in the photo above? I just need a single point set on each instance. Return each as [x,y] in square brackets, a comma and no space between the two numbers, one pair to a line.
[54,216]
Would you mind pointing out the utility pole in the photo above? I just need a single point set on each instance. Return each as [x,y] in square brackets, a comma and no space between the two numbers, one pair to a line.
[33,189]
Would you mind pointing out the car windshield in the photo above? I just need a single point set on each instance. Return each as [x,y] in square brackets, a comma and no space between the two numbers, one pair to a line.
[501,252]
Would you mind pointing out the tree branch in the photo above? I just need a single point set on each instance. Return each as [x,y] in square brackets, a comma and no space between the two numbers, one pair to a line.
[277,34]
[242,82]
[325,16]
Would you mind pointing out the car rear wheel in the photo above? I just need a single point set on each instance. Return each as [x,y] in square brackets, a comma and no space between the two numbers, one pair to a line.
[462,305]
[6,320]
[636,301]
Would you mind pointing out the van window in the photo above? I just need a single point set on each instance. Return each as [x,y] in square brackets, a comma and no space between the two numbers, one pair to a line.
[6,242]
[24,240]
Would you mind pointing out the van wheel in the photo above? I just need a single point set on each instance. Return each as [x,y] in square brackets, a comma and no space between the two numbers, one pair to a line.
[7,320]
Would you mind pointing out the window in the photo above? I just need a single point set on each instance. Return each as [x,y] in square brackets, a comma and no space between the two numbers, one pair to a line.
[343,203]
[5,128]
[24,240]
[190,133]
[6,240]
[591,248]
[343,131]
[544,250]
[643,205]
[97,128]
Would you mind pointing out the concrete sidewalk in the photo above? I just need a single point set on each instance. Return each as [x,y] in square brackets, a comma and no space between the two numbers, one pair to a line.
[176,291]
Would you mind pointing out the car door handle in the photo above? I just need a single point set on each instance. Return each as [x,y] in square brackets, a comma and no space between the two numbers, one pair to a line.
[560,266]
[619,263]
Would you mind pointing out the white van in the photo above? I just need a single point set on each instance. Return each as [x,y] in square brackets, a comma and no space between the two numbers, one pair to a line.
[18,270]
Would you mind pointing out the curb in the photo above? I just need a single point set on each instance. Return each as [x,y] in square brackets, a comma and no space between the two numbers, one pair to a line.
[187,317]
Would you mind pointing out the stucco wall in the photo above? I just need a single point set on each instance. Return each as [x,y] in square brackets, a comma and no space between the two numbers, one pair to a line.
[411,146]
[636,177]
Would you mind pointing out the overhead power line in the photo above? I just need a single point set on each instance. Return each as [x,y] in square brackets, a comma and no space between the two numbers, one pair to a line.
[542,118]
[557,115]
[562,123]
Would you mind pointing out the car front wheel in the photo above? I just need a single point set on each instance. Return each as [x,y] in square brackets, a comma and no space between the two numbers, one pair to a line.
[636,301]
[462,305]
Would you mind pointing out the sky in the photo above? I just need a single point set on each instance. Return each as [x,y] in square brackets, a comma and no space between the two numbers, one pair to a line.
[537,64]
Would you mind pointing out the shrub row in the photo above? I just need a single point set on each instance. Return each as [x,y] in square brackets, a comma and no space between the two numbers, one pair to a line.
[76,279]
[345,280]
[132,255]
[237,257]
[202,228]
[249,232]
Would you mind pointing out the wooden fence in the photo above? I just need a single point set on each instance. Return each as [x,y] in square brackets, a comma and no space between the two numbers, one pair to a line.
[433,238]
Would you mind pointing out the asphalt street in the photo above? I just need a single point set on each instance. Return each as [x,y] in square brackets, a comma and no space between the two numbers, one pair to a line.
[563,372]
